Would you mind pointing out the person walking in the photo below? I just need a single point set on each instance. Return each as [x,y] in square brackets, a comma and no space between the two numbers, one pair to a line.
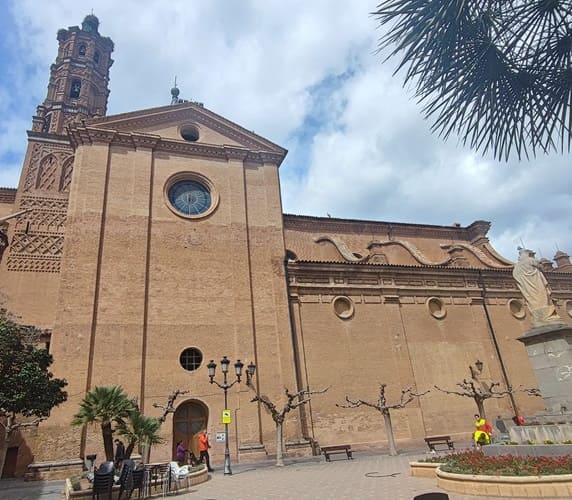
[204,446]
[119,453]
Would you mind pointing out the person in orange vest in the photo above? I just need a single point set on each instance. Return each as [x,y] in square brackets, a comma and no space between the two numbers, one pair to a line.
[482,434]
[204,446]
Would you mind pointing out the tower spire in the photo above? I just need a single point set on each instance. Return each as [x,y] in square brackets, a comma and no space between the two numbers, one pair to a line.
[79,78]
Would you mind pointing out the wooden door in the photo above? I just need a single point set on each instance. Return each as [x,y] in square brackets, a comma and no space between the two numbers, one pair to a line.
[189,419]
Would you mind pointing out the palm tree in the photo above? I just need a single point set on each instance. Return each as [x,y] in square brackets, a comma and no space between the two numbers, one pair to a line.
[496,72]
[104,406]
[142,430]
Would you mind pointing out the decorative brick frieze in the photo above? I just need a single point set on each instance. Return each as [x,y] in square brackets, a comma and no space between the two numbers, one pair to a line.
[33,264]
[37,244]
[7,195]
[44,170]
[38,235]
[235,153]
[144,141]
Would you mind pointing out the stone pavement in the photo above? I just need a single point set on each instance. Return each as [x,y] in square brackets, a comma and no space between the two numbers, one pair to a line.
[18,489]
[369,476]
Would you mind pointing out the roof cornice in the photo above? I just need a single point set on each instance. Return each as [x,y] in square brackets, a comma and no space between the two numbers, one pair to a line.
[82,135]
[188,111]
[313,224]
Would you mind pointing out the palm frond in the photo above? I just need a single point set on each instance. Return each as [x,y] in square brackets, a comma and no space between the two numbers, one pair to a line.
[494,72]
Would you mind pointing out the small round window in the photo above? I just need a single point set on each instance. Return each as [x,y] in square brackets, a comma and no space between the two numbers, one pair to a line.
[189,133]
[343,307]
[436,307]
[191,359]
[516,308]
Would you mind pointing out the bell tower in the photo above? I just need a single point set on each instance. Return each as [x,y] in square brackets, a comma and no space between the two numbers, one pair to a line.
[77,90]
[79,78]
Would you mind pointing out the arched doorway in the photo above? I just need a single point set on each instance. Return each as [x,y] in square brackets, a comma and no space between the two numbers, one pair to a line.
[189,419]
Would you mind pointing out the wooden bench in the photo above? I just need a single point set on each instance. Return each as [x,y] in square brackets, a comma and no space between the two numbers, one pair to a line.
[433,441]
[340,448]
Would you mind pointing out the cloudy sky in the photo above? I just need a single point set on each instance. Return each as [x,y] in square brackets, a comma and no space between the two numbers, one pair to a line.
[305,75]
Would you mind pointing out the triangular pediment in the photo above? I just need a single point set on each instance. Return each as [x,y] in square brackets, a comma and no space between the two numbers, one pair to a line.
[167,122]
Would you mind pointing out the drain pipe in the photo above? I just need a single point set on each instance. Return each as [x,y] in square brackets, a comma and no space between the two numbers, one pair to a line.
[306,427]
[495,342]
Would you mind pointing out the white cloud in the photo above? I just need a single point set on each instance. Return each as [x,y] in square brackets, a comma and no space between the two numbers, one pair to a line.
[305,75]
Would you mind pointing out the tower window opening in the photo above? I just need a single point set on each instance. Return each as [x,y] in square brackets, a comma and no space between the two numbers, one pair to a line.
[75,89]
[47,123]
[82,50]
[96,57]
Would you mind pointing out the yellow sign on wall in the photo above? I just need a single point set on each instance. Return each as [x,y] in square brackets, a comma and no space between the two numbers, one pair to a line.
[226,418]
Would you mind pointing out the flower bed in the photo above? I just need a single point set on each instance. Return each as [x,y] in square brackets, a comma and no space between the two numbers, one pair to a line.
[542,449]
[473,473]
[476,462]
[423,469]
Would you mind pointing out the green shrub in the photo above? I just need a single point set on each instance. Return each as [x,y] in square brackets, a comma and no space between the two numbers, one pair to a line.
[75,482]
[433,460]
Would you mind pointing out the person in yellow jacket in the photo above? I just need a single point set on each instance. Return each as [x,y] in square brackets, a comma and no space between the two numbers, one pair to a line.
[482,434]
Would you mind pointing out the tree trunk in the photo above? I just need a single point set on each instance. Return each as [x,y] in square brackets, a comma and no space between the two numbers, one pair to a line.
[279,446]
[145,452]
[3,451]
[107,433]
[389,432]
[129,449]
[4,447]
[481,407]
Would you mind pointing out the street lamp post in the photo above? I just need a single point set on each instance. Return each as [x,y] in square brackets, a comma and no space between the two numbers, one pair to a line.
[225,386]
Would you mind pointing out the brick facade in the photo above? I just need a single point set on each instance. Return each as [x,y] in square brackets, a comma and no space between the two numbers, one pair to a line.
[125,283]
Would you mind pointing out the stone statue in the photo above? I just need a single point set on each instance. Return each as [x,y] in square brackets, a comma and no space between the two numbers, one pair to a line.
[534,288]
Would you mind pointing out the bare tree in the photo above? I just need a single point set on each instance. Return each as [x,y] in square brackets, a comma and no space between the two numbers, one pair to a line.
[293,401]
[169,407]
[382,406]
[479,390]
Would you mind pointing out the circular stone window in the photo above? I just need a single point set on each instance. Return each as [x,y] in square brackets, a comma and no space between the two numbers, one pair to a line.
[516,308]
[191,359]
[189,132]
[343,307]
[436,307]
[190,195]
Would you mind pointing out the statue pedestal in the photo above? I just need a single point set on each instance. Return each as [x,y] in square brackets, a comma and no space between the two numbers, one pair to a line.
[549,349]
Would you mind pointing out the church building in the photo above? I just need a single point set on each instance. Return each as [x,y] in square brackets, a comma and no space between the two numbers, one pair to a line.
[148,243]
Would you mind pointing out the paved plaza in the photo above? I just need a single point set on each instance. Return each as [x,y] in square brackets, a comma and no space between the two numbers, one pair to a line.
[369,476]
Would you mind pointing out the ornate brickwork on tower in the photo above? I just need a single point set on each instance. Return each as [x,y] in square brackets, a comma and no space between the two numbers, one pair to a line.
[79,78]
[77,90]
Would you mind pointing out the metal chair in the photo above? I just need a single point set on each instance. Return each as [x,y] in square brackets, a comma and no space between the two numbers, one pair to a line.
[164,471]
[126,478]
[138,482]
[103,481]
[157,475]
